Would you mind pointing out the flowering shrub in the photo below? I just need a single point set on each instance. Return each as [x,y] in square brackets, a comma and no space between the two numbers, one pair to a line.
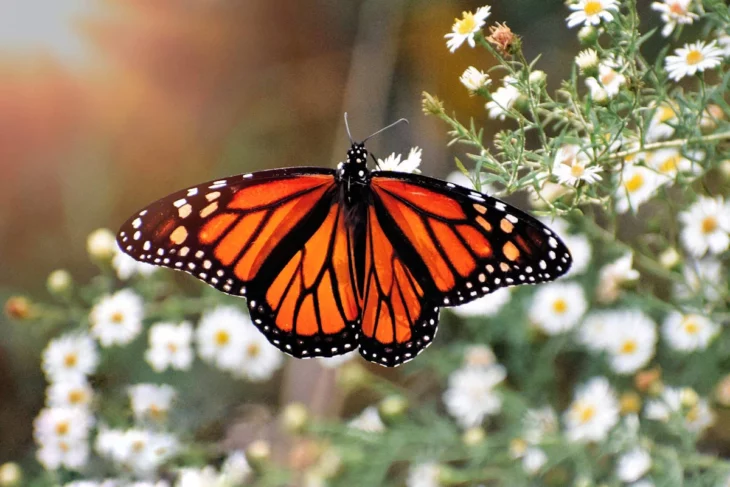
[615,375]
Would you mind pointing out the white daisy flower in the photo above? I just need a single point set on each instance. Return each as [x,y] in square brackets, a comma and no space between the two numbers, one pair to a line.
[558,307]
[424,475]
[674,12]
[101,244]
[259,360]
[127,267]
[471,394]
[69,357]
[170,346]
[633,465]
[706,226]
[633,341]
[572,166]
[73,392]
[465,28]
[637,184]
[68,424]
[614,277]
[235,469]
[117,319]
[139,450]
[409,164]
[595,332]
[591,12]
[533,460]
[479,356]
[70,454]
[337,360]
[503,99]
[368,420]
[703,277]
[474,80]
[220,337]
[197,477]
[697,415]
[598,92]
[151,401]
[669,162]
[593,412]
[587,60]
[609,80]
[693,58]
[662,123]
[488,305]
[689,332]
[537,423]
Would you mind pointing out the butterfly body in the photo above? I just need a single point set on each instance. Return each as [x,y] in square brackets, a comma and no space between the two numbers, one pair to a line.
[336,260]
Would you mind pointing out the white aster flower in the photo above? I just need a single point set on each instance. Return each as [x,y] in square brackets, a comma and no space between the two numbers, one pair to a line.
[84,483]
[337,360]
[674,12]
[140,450]
[465,28]
[101,244]
[614,277]
[632,342]
[424,475]
[197,477]
[70,454]
[479,356]
[368,420]
[69,357]
[475,80]
[533,460]
[706,226]
[598,92]
[409,164]
[703,277]
[662,123]
[595,332]
[637,184]
[693,58]
[696,413]
[62,424]
[633,465]
[127,267]
[591,12]
[609,81]
[503,99]
[73,392]
[259,360]
[689,332]
[593,412]
[471,394]
[571,166]
[587,60]
[558,307]
[170,346]
[220,337]
[151,401]
[117,319]
[235,469]
[488,305]
[539,422]
[669,162]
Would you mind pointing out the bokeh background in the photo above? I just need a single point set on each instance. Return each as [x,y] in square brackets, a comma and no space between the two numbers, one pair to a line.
[106,105]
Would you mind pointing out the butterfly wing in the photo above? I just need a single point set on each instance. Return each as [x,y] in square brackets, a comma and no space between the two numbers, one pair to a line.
[264,236]
[435,244]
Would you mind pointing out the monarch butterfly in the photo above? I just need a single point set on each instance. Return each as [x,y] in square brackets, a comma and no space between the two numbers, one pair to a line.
[336,260]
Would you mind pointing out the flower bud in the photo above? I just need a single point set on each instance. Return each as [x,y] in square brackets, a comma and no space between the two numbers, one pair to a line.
[688,397]
[722,391]
[59,282]
[630,403]
[474,436]
[294,417]
[503,39]
[475,80]
[432,105]
[588,35]
[258,453]
[646,379]
[517,447]
[479,356]
[101,244]
[352,376]
[18,308]
[392,408]
[670,258]
[725,168]
[587,62]
[10,474]
[538,78]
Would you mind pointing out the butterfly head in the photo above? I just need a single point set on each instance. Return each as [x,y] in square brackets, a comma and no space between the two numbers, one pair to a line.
[357,155]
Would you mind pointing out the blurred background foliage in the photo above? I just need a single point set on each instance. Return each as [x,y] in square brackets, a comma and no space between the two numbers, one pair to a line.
[106,105]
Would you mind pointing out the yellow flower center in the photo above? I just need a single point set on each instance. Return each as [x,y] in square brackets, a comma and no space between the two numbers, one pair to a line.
[669,165]
[117,317]
[157,413]
[586,412]
[467,25]
[634,183]
[76,396]
[138,446]
[560,306]
[62,428]
[690,326]
[64,447]
[694,57]
[171,347]
[222,338]
[628,347]
[693,414]
[709,224]
[577,170]
[593,7]
[677,9]
[608,77]
[253,350]
[665,113]
[70,360]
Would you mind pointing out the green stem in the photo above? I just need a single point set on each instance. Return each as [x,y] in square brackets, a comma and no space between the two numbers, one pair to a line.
[670,143]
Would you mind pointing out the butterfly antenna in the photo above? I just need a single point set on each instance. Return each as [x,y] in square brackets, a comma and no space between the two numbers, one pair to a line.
[385,128]
[347,127]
